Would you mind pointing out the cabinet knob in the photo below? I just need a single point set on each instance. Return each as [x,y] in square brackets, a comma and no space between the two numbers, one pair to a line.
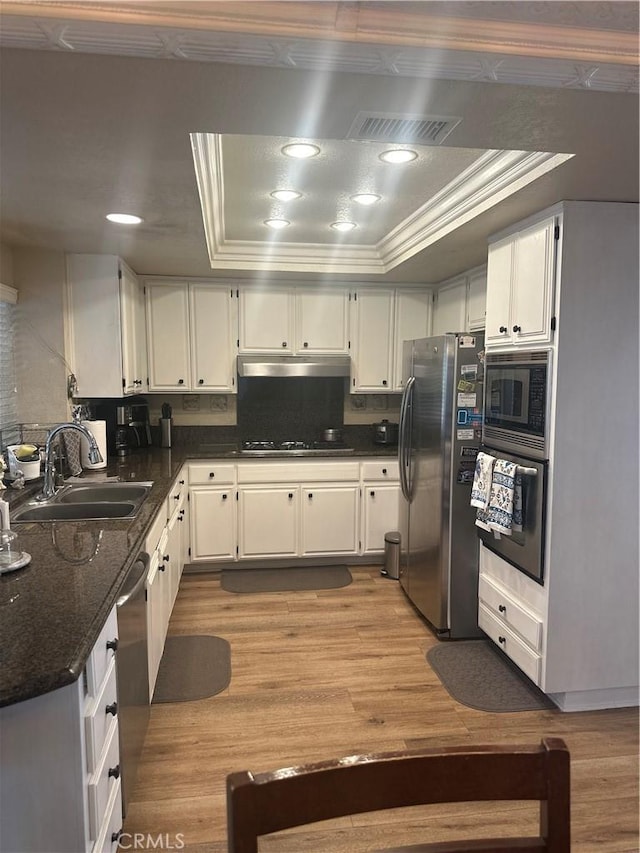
[224,497]
[161,568]
[166,558]
[517,328]
[180,381]
[384,381]
[113,644]
[502,640]
[176,497]
[310,495]
[200,381]
[503,329]
[115,836]
[284,343]
[305,344]
[180,518]
[502,608]
[112,709]
[181,512]
[212,474]
[114,771]
[181,482]
[384,470]
[373,494]
[290,495]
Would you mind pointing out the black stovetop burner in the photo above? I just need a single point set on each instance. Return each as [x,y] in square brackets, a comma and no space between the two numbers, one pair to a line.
[300,448]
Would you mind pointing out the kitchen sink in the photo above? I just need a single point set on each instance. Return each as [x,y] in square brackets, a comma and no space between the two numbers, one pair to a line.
[93,492]
[97,511]
[86,502]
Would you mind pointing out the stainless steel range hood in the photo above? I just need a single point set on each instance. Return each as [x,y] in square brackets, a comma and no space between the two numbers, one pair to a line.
[294,365]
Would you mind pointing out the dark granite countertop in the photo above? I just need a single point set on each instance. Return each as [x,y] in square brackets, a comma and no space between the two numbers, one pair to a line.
[52,611]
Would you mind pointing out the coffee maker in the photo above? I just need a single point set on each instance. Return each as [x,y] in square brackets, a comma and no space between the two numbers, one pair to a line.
[128,427]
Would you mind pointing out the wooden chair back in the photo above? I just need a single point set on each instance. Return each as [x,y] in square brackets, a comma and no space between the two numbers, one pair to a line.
[270,802]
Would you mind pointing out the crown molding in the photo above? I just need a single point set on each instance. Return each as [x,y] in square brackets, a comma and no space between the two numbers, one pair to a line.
[488,181]
[369,38]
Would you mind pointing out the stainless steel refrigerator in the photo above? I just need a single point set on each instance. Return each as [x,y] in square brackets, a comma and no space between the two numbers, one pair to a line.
[439,437]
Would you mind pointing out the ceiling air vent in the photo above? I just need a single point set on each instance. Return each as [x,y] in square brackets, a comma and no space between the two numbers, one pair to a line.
[396,127]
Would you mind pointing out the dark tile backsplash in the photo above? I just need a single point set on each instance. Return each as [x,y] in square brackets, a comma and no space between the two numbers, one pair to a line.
[292,408]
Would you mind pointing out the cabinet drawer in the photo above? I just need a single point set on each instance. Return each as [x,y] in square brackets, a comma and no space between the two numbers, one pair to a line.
[508,610]
[203,473]
[97,719]
[109,835]
[528,660]
[101,656]
[299,472]
[385,469]
[103,781]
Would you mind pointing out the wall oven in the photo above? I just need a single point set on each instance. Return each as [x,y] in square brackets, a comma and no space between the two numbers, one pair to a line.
[516,402]
[524,549]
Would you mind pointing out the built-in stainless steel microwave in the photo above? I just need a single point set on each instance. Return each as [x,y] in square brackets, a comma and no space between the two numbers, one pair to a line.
[516,402]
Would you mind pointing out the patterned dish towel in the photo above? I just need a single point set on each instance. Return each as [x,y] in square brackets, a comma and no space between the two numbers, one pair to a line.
[499,514]
[481,488]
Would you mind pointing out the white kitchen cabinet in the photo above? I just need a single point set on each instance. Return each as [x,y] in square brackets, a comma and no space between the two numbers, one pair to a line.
[294,320]
[476,300]
[212,511]
[450,313]
[213,523]
[61,751]
[330,519]
[168,336]
[520,285]
[548,628]
[266,320]
[380,503]
[268,521]
[372,325]
[176,533]
[192,331]
[412,316]
[105,320]
[322,321]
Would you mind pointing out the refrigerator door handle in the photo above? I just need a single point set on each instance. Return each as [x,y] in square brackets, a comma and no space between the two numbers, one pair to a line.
[404,449]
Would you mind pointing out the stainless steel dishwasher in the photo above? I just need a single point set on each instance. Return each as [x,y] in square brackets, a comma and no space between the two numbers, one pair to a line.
[132,673]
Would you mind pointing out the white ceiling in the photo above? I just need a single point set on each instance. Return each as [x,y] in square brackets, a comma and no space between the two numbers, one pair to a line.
[96,108]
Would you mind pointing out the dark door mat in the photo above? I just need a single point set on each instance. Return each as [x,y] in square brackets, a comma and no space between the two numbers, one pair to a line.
[192,667]
[285,579]
[479,675]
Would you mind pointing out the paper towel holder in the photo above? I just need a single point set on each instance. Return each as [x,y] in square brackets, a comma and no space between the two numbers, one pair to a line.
[99,431]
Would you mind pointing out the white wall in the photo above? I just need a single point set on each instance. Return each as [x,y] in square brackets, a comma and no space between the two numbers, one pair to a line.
[39,277]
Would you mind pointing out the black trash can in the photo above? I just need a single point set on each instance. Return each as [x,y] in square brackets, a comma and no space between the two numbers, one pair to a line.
[391,555]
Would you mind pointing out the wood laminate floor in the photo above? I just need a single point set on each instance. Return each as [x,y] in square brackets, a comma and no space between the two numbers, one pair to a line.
[319,675]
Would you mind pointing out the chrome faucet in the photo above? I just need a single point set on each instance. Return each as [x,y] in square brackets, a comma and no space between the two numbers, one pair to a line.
[48,488]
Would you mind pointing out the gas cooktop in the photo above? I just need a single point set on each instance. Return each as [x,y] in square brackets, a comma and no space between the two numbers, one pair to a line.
[294,448]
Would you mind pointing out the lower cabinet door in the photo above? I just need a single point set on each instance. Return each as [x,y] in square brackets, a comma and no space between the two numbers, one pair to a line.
[213,524]
[380,509]
[330,520]
[268,521]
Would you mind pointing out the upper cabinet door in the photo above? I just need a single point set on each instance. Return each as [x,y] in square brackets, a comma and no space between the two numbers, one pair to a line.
[322,325]
[134,366]
[476,301]
[450,313]
[412,320]
[371,340]
[499,274]
[533,283]
[168,336]
[266,321]
[214,331]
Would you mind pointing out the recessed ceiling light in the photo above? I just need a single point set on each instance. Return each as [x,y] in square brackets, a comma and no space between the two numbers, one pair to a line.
[398,155]
[343,226]
[124,218]
[276,224]
[301,150]
[365,198]
[285,195]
